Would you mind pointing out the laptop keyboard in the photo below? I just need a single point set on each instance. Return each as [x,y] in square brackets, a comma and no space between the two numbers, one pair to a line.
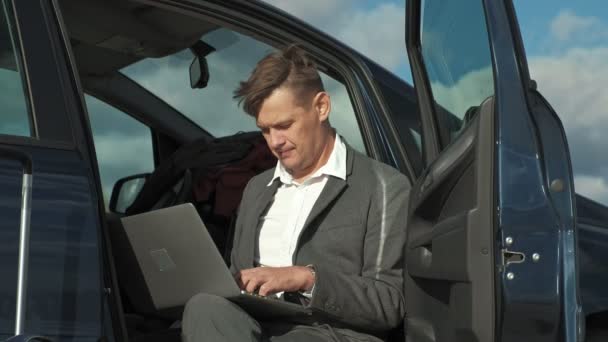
[255,294]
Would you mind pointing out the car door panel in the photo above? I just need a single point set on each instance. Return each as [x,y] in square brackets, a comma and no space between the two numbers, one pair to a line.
[491,243]
[449,261]
[541,301]
[62,287]
[559,222]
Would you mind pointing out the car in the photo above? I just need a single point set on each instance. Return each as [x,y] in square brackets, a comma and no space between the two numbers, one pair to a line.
[98,95]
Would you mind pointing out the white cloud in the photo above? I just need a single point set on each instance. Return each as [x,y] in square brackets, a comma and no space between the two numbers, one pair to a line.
[575,84]
[593,187]
[311,10]
[568,26]
[377,32]
[470,90]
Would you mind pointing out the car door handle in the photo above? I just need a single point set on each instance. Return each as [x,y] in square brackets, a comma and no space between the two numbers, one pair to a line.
[24,231]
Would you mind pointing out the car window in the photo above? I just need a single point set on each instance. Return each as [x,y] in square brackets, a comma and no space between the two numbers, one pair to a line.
[213,107]
[406,119]
[123,145]
[15,118]
[403,111]
[342,116]
[456,54]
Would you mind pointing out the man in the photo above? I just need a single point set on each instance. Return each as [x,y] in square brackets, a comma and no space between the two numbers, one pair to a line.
[327,224]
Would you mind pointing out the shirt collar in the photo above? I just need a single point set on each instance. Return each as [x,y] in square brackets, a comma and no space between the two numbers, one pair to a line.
[335,166]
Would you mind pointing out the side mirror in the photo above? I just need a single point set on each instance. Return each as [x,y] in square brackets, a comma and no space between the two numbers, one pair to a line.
[125,191]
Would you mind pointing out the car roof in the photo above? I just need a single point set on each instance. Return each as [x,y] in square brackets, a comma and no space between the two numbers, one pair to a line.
[108,35]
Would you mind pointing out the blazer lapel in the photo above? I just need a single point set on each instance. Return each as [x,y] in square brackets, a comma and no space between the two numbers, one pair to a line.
[333,188]
[262,203]
[330,192]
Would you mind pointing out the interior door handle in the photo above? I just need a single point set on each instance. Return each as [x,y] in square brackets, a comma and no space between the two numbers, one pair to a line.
[24,233]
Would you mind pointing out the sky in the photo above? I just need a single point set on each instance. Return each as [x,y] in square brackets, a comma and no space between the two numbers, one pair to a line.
[566,44]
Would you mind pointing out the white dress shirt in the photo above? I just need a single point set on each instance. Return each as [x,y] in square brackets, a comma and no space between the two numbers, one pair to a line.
[281,225]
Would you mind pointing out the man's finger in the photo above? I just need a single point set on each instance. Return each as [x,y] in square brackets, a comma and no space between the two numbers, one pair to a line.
[266,289]
[239,281]
[245,279]
[252,285]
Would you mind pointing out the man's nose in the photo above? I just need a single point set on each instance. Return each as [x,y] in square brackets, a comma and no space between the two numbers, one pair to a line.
[276,139]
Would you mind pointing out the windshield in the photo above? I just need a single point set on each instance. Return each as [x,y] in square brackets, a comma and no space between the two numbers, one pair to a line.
[213,107]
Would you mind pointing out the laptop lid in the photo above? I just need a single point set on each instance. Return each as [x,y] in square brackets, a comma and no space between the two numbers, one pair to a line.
[177,256]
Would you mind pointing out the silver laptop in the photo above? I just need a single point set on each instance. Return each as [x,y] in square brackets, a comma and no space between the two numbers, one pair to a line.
[178,259]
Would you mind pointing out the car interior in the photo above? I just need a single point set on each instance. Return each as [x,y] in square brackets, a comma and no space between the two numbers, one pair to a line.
[191,164]
[107,36]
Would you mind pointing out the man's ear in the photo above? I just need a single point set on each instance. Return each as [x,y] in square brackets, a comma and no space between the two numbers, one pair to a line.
[322,105]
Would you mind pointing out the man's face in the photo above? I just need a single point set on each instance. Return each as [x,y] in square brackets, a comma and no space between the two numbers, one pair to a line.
[295,130]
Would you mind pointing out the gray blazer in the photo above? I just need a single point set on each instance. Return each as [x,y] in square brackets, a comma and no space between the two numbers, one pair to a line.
[354,237]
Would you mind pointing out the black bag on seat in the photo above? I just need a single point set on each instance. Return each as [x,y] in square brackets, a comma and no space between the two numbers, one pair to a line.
[210,174]
[199,157]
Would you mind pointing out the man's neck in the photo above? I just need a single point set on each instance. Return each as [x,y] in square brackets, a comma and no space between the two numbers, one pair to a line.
[322,160]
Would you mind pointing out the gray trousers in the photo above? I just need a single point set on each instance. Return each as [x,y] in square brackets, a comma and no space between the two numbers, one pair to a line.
[209,318]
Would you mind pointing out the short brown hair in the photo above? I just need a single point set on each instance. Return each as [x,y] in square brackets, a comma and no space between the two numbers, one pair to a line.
[290,67]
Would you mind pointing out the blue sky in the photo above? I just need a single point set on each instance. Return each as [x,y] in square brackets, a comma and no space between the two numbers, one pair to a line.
[567,48]
[536,19]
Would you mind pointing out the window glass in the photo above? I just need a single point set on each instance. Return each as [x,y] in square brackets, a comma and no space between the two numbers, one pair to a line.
[123,145]
[404,114]
[213,107]
[456,55]
[342,116]
[14,119]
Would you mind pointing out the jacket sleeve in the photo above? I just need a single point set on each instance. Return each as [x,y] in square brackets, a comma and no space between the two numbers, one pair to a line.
[373,300]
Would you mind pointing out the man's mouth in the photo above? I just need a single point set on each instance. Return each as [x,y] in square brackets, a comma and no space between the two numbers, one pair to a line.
[284,153]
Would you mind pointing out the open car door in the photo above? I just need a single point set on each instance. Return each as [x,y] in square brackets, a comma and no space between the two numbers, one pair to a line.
[491,251]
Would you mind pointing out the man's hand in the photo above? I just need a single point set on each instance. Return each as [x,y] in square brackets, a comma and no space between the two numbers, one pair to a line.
[270,280]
